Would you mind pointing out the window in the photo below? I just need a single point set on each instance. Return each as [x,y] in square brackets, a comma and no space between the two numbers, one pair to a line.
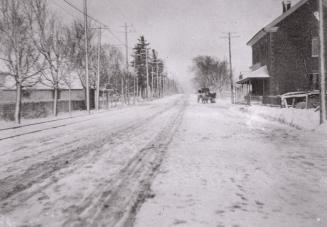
[26,93]
[313,81]
[315,47]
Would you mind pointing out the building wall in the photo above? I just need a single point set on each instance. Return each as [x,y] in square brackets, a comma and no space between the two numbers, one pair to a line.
[9,96]
[38,109]
[2,80]
[260,53]
[292,60]
[288,52]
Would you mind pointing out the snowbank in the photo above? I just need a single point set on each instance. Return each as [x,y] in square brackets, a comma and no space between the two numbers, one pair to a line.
[299,118]
[4,124]
[322,129]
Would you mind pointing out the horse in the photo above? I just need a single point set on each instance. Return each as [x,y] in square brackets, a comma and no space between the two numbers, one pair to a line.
[200,97]
[205,99]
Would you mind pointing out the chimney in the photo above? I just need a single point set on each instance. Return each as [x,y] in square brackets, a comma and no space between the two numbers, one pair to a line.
[286,5]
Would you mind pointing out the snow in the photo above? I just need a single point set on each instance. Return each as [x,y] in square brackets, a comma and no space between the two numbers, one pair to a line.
[9,124]
[222,165]
[49,178]
[299,118]
[227,168]
[322,129]
[76,113]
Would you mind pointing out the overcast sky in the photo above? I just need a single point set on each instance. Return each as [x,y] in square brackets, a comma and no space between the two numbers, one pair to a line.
[183,29]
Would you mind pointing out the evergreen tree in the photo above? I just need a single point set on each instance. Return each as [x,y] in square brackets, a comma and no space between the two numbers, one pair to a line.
[139,63]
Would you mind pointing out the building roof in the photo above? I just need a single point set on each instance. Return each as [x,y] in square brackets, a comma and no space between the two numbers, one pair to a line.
[272,26]
[8,82]
[260,73]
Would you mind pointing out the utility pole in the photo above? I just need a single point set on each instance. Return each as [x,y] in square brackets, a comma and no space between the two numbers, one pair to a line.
[322,65]
[122,88]
[137,86]
[158,88]
[127,62]
[152,73]
[86,59]
[229,37]
[134,88]
[231,69]
[126,31]
[147,72]
[163,85]
[98,72]
[97,95]
[126,46]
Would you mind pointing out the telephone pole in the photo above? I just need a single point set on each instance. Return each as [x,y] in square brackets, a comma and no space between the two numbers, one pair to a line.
[97,95]
[158,88]
[126,45]
[163,85]
[152,73]
[231,69]
[127,61]
[97,104]
[322,65]
[126,31]
[229,37]
[147,72]
[86,59]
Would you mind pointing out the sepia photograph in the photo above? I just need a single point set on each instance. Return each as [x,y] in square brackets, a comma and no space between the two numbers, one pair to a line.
[163,113]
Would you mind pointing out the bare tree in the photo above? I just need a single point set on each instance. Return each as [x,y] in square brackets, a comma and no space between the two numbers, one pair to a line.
[17,50]
[49,38]
[210,72]
[67,68]
[75,38]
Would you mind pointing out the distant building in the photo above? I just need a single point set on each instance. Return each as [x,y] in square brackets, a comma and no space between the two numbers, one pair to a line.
[285,53]
[2,80]
[37,101]
[39,92]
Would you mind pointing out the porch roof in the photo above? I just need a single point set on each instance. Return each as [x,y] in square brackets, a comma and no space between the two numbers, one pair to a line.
[260,73]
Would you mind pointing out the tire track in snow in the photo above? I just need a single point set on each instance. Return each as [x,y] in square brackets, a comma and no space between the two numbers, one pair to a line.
[116,203]
[13,186]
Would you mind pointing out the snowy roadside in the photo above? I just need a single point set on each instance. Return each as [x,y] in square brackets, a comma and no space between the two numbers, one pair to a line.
[305,120]
[226,168]
[297,118]
[4,124]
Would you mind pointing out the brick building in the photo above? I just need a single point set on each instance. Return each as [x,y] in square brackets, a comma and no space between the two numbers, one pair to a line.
[285,53]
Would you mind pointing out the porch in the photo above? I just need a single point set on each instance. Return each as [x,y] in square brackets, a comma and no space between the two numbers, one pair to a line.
[253,86]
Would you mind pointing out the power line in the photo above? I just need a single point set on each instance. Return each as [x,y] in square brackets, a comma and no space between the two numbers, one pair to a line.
[97,21]
[115,36]
[118,8]
[61,7]
[123,15]
[77,9]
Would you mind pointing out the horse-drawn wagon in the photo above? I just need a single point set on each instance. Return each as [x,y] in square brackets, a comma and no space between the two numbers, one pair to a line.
[205,96]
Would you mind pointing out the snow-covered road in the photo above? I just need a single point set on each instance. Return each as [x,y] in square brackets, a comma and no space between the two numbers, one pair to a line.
[220,167]
[92,173]
[226,168]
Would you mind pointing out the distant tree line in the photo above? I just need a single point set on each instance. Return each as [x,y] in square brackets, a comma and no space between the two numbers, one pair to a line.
[210,72]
